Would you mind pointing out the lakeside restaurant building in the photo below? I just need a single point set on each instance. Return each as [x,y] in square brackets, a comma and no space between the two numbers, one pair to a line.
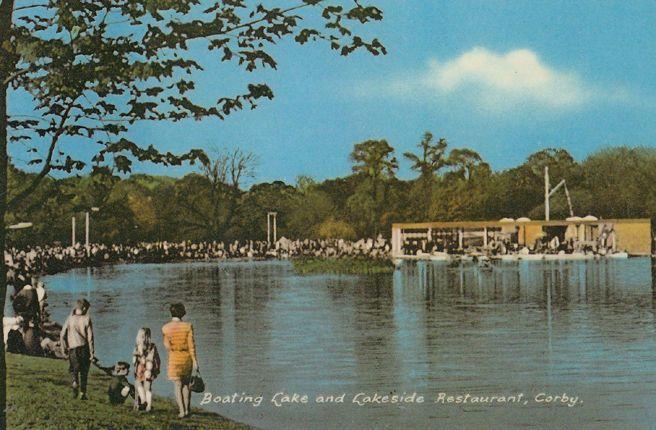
[631,235]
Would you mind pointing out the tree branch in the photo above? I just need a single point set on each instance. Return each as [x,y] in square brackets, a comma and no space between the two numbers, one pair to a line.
[31,6]
[17,74]
[256,21]
[47,165]
[13,76]
[250,23]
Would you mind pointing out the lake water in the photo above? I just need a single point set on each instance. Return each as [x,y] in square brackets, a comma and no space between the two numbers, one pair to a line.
[586,329]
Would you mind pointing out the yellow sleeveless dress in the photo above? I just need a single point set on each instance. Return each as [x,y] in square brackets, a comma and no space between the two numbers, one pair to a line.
[179,342]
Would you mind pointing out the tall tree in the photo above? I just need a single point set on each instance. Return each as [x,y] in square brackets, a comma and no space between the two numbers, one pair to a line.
[96,67]
[374,159]
[208,201]
[462,190]
[428,163]
[561,164]
[432,157]
[465,162]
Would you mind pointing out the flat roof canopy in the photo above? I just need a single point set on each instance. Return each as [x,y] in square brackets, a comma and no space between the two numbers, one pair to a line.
[493,224]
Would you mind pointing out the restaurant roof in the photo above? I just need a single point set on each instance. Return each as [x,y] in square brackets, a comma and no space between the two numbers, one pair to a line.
[551,223]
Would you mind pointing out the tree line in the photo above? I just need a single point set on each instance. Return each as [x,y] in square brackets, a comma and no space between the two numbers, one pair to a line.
[450,184]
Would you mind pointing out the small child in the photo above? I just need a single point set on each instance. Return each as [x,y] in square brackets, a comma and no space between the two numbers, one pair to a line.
[146,368]
[119,388]
[52,349]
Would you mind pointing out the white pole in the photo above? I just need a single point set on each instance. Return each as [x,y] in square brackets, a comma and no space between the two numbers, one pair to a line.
[86,230]
[395,241]
[546,193]
[569,201]
[72,231]
[269,228]
[275,227]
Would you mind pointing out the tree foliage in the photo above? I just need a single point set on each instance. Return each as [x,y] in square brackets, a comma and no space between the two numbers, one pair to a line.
[432,158]
[375,162]
[94,68]
[613,182]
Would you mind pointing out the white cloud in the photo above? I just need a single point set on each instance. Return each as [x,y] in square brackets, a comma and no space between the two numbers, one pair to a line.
[492,82]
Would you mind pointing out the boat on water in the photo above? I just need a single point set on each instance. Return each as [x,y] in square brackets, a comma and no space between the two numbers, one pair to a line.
[581,256]
[531,257]
[504,257]
[575,256]
[466,258]
[566,257]
[439,256]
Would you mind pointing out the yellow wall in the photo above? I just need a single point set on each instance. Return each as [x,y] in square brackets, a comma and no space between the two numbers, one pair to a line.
[634,237]
[528,234]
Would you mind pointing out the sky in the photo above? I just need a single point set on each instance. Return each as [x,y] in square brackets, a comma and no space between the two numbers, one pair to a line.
[505,78]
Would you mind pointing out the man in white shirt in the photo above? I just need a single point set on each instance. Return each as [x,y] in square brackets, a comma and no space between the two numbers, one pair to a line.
[77,337]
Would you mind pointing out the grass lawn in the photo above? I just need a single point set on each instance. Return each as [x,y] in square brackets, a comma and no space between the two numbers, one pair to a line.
[39,397]
[346,266]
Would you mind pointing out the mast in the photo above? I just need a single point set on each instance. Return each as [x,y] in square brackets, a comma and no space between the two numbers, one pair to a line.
[569,202]
[546,193]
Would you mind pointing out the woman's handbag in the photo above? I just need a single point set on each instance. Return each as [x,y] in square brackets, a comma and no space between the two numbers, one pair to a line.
[196,384]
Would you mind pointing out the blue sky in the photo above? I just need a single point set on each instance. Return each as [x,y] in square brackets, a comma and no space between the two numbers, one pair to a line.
[505,78]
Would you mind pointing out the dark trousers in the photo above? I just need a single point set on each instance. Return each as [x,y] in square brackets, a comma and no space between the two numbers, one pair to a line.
[79,362]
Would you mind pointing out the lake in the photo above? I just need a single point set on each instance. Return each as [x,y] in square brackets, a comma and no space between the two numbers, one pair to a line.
[583,329]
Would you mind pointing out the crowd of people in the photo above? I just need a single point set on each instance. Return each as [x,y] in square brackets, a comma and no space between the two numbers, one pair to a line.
[31,331]
[49,259]
[563,241]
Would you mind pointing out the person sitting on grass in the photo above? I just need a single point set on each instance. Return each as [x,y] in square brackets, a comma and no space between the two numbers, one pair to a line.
[119,388]
[26,304]
[32,336]
[52,349]
[11,324]
[14,342]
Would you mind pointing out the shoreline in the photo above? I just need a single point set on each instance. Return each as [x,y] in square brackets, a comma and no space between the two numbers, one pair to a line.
[38,396]
[50,260]
[341,266]
[296,263]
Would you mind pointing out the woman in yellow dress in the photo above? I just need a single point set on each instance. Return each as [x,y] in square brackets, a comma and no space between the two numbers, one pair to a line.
[179,342]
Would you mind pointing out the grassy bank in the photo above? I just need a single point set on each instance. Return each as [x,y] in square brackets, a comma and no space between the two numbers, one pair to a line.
[347,266]
[39,397]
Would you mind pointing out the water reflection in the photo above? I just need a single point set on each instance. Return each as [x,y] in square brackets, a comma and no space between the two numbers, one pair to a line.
[580,327]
